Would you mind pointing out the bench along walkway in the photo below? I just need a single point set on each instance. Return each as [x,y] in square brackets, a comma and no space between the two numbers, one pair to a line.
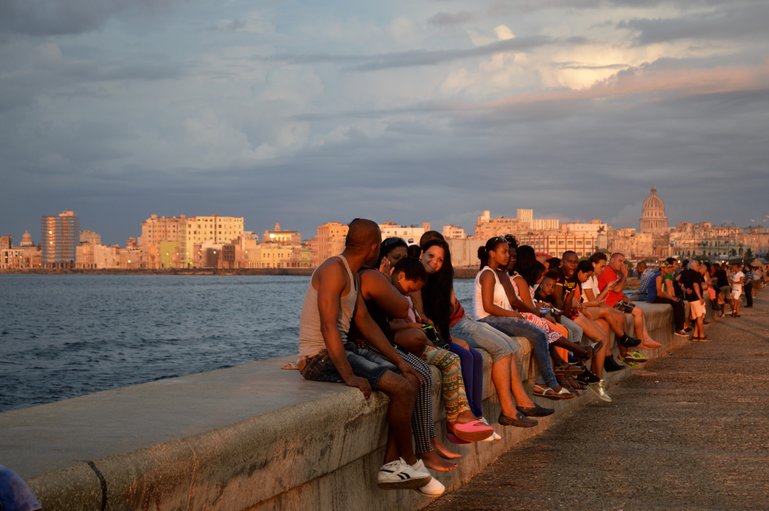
[689,431]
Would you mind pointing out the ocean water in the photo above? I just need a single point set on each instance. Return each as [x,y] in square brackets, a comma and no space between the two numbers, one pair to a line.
[63,336]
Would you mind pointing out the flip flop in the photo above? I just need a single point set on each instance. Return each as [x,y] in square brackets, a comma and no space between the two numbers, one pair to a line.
[473,431]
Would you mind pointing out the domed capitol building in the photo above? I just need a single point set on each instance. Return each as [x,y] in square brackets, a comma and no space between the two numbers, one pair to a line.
[656,239]
[653,218]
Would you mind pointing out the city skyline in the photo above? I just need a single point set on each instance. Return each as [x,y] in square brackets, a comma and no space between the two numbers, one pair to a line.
[305,236]
[408,112]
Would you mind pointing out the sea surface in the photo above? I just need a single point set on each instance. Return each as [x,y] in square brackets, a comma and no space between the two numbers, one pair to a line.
[63,336]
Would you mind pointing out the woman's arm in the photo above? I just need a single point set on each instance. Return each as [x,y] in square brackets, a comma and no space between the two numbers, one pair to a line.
[591,300]
[487,282]
[526,303]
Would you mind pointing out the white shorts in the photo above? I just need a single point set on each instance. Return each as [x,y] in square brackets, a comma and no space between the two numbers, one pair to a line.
[697,309]
[737,294]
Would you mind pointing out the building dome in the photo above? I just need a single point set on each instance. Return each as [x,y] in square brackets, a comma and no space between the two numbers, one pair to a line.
[653,218]
[26,239]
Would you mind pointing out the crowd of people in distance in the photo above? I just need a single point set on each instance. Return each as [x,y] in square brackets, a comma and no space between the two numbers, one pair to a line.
[377,316]
[700,287]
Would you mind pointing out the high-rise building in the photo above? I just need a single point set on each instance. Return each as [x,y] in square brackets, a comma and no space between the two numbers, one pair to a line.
[160,228]
[211,230]
[59,239]
[328,241]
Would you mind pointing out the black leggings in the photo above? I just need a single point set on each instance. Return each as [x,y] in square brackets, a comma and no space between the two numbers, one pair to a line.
[679,312]
[749,293]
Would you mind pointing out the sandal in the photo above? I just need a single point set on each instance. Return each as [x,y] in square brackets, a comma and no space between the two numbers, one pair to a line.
[547,392]
[636,356]
[473,431]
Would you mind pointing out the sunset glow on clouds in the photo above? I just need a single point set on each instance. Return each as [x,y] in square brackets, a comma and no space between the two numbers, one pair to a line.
[310,112]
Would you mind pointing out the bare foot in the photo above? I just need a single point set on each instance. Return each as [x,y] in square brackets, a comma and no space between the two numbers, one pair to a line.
[444,451]
[650,344]
[435,462]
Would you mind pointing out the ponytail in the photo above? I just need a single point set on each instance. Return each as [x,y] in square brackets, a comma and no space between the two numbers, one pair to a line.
[491,244]
[483,255]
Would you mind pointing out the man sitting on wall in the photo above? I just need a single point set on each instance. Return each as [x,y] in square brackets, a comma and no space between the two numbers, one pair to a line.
[614,276]
[332,302]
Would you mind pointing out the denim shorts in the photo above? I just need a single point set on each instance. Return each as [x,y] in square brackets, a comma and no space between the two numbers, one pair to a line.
[364,362]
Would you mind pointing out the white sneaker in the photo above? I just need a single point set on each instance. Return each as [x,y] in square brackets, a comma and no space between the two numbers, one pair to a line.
[420,467]
[400,475]
[600,390]
[493,438]
[432,489]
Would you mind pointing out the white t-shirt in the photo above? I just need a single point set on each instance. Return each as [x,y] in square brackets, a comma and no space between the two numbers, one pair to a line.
[592,284]
[737,286]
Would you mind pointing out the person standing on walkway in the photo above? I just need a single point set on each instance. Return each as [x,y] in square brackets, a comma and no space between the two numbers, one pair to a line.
[332,302]
[738,280]
[724,289]
[691,280]
[748,271]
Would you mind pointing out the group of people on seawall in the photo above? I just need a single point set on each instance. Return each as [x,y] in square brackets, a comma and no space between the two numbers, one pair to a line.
[702,286]
[378,315]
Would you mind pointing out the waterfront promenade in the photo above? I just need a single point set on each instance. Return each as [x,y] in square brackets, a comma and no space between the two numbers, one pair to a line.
[688,431]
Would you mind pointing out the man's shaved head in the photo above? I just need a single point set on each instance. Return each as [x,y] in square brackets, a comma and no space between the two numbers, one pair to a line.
[362,233]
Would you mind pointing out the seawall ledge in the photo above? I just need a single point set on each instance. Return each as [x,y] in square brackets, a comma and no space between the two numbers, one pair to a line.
[248,437]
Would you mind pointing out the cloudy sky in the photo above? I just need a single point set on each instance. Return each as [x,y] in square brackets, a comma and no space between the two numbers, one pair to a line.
[314,111]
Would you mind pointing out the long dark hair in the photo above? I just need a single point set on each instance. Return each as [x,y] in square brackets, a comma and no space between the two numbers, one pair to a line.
[436,294]
[387,246]
[526,264]
[584,266]
[491,244]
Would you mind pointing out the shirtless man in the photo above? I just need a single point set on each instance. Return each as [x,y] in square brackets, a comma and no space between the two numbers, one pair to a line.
[331,304]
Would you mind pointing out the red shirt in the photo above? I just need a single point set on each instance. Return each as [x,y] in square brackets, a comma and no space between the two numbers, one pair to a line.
[607,276]
[457,313]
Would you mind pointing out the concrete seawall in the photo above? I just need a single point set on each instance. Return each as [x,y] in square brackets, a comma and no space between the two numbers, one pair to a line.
[249,437]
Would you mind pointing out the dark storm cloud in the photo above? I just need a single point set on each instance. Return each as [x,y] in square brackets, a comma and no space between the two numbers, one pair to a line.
[424,57]
[60,17]
[443,19]
[727,22]
[19,90]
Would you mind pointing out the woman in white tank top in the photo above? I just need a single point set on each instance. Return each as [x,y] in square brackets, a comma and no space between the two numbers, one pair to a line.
[492,306]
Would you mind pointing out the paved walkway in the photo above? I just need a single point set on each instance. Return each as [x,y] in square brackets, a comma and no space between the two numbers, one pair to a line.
[689,431]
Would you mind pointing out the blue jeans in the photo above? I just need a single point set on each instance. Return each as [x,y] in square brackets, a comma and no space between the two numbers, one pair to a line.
[538,338]
[484,336]
[364,362]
